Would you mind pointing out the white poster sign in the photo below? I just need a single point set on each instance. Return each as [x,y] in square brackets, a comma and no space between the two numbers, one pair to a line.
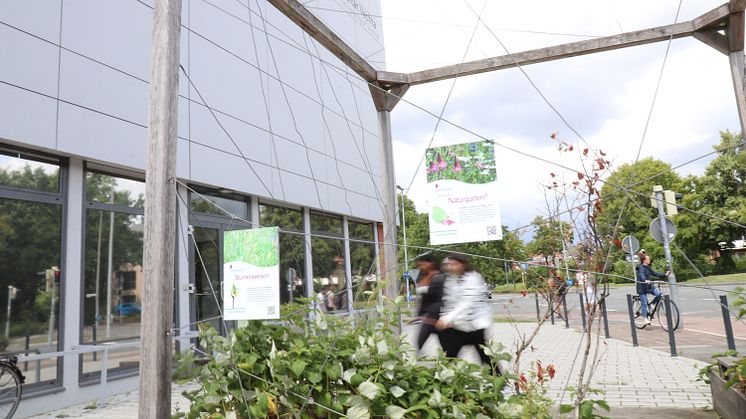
[251,274]
[462,190]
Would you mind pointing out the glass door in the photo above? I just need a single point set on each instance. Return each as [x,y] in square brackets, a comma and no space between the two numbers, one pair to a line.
[208,293]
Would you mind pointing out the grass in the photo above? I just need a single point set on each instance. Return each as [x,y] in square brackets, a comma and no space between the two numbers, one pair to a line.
[512,320]
[509,288]
[720,278]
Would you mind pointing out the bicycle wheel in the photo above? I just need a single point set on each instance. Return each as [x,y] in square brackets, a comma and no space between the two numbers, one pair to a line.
[637,312]
[661,314]
[10,390]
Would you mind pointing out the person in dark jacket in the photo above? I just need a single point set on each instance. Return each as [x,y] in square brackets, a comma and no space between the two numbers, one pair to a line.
[430,289]
[644,287]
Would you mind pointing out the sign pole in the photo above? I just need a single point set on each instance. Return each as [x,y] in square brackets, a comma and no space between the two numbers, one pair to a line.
[666,245]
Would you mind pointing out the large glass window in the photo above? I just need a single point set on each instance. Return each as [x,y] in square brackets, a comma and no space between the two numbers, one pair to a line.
[330,276]
[362,259]
[113,284]
[26,171]
[115,190]
[30,261]
[292,254]
[218,205]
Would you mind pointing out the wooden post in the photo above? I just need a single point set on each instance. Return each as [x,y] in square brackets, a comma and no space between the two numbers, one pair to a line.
[388,198]
[735,47]
[160,214]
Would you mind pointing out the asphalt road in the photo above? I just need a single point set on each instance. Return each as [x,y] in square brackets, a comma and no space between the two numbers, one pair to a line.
[702,334]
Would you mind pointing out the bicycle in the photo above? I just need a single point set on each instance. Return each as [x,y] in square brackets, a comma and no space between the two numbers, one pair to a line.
[656,308]
[11,385]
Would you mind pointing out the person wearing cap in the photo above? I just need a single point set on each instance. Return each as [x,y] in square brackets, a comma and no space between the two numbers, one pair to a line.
[644,287]
[430,289]
[466,313]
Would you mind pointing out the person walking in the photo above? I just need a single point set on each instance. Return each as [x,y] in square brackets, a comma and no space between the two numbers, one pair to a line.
[644,287]
[466,313]
[430,289]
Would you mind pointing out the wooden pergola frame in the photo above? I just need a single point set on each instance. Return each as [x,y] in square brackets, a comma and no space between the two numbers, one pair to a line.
[722,28]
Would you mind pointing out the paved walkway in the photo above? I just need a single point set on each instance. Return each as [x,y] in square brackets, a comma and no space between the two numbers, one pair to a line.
[667,383]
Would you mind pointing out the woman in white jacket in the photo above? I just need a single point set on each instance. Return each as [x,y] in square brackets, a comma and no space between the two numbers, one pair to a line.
[466,314]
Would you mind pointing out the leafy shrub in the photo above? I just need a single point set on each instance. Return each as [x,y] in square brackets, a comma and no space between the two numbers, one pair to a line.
[330,366]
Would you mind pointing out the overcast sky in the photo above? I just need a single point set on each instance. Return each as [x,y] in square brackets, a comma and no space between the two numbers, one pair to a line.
[606,97]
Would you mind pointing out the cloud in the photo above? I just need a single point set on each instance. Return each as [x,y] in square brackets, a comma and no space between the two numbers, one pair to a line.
[606,97]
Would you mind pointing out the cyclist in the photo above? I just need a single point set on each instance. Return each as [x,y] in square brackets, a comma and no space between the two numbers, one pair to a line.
[644,287]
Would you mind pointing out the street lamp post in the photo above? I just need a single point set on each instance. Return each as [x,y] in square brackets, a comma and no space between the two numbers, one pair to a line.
[404,231]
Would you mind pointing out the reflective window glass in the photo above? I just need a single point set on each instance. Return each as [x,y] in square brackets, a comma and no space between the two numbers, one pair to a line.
[329,282]
[360,230]
[113,276]
[292,271]
[209,204]
[30,281]
[114,190]
[323,223]
[285,218]
[18,170]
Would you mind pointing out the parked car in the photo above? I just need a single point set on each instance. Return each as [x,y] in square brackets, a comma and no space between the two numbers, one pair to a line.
[126,309]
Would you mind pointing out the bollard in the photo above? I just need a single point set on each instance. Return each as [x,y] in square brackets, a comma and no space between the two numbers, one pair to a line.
[94,339]
[582,309]
[538,315]
[671,339]
[726,323]
[564,306]
[26,346]
[551,306]
[605,316]
[632,320]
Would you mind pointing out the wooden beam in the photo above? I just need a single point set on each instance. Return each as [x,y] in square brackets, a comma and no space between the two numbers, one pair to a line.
[628,39]
[736,71]
[714,39]
[712,18]
[737,5]
[392,78]
[386,98]
[735,32]
[314,27]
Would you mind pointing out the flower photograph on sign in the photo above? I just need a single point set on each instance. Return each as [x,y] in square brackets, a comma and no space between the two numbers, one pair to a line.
[471,163]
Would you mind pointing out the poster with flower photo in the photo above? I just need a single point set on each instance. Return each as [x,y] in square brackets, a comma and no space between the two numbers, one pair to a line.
[251,274]
[462,193]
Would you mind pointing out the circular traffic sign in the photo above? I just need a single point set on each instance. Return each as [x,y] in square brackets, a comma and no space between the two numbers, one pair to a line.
[657,232]
[630,244]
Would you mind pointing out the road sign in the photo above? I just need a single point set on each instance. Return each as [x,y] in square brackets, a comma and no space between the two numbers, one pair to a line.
[630,244]
[655,230]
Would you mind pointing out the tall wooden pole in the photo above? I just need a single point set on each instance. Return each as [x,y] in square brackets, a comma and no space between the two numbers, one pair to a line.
[160,214]
[388,199]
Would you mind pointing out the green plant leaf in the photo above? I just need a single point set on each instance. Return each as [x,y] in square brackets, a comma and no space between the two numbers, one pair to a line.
[397,391]
[358,411]
[298,367]
[603,404]
[368,389]
[313,377]
[566,408]
[395,412]
[348,374]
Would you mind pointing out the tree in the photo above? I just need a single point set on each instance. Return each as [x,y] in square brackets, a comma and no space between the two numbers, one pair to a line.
[548,234]
[633,206]
[720,192]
